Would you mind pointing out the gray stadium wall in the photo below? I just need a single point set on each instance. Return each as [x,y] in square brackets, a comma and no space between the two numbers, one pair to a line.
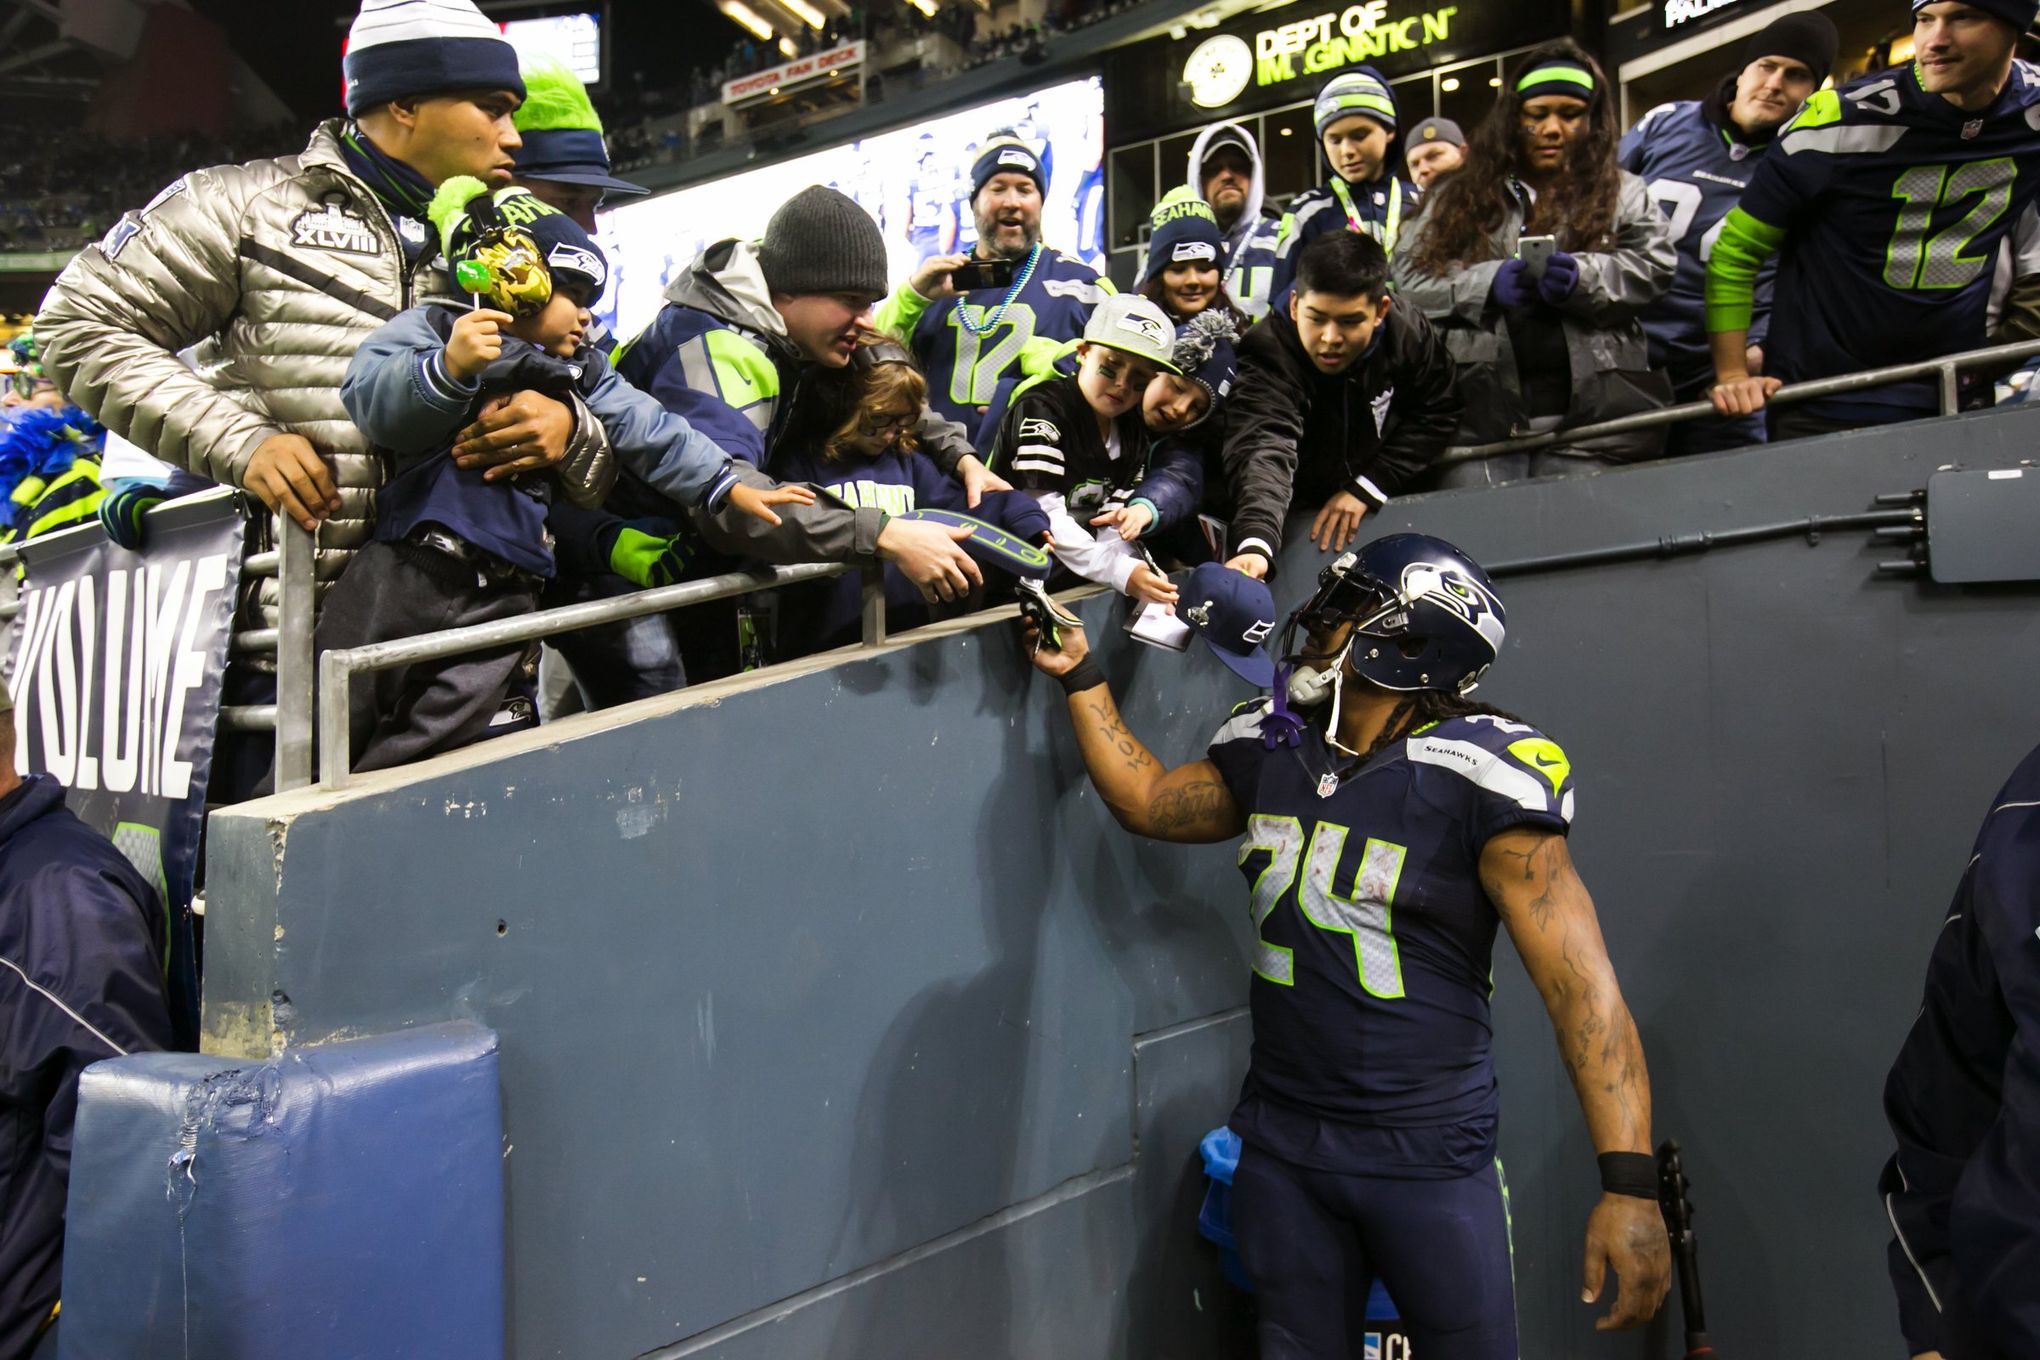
[837,1018]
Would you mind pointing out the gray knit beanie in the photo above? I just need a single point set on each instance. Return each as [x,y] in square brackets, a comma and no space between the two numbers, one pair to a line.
[820,241]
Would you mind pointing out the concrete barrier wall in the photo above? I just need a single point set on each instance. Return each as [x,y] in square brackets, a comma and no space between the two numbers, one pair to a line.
[838,1019]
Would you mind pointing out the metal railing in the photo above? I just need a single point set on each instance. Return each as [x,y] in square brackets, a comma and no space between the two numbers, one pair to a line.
[1943,370]
[337,668]
[311,698]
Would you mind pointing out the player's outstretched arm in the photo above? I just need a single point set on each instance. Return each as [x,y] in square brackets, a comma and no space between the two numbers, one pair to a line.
[1529,876]
[1190,803]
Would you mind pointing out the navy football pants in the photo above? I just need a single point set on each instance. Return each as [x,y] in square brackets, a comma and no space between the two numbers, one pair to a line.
[1314,1241]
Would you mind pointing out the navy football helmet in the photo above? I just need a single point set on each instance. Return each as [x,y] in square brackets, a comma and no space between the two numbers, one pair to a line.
[1424,616]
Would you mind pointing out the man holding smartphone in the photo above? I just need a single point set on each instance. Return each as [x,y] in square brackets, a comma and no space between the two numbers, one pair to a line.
[1007,307]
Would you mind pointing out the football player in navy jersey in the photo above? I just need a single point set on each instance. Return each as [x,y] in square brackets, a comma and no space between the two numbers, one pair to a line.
[1387,835]
[1886,202]
[1697,156]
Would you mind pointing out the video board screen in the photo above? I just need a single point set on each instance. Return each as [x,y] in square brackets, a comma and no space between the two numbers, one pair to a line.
[914,181]
[574,39]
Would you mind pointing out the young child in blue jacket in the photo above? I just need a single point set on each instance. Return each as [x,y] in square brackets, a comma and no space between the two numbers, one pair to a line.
[455,545]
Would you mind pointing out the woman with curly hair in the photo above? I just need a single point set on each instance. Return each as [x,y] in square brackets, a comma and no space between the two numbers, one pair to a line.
[1543,346]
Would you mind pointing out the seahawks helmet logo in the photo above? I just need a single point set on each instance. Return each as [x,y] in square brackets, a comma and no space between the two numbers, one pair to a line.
[1193,250]
[1146,327]
[575,260]
[1015,156]
[1457,592]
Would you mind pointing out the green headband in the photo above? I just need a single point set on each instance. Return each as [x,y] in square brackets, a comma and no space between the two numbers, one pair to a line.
[1556,77]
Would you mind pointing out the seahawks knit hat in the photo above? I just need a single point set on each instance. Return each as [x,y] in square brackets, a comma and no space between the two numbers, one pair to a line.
[399,48]
[1360,90]
[1204,353]
[1549,78]
[820,241]
[2018,13]
[562,132]
[564,249]
[1005,154]
[1185,230]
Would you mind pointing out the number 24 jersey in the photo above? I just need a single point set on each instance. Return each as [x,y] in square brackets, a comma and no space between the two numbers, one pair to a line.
[1374,938]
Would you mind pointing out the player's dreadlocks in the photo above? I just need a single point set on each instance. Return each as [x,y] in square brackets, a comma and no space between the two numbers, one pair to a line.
[1425,708]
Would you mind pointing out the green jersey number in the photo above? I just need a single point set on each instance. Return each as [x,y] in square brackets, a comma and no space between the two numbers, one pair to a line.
[981,360]
[1367,915]
[1916,260]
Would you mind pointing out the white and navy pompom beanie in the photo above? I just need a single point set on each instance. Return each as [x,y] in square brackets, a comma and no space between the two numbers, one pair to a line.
[399,48]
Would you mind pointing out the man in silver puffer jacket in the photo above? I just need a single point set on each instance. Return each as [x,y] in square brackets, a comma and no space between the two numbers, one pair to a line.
[282,267]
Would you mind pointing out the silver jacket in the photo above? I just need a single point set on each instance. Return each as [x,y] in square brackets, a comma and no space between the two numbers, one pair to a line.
[1604,340]
[280,269]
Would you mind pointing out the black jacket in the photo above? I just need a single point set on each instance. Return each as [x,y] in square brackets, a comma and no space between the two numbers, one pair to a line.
[1294,434]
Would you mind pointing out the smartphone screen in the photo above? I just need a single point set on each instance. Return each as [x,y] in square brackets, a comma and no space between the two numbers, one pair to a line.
[1533,251]
[983,274]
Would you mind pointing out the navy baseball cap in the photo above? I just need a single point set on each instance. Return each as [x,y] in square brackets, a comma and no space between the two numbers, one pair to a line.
[1234,614]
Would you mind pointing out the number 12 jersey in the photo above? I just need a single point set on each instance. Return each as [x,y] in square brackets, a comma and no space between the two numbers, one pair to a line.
[1888,204]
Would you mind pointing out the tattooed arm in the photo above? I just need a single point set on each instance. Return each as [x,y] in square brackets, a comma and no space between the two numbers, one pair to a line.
[1529,876]
[1189,803]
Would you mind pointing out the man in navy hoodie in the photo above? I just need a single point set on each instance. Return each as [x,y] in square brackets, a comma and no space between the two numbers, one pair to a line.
[82,940]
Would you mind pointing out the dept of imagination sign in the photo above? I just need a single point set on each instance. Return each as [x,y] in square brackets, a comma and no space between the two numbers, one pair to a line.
[1339,38]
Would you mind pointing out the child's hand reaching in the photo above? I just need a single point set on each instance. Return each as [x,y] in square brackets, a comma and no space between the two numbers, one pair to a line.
[1150,585]
[476,340]
[755,500]
[1131,520]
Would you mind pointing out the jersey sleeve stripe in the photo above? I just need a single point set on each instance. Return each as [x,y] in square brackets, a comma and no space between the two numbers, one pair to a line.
[1483,769]
[1240,726]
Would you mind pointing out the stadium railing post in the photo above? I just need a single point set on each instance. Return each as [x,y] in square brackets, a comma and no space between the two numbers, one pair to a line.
[873,606]
[296,699]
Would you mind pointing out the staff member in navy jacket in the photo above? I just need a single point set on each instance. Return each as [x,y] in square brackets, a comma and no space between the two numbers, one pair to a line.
[1963,1190]
[82,941]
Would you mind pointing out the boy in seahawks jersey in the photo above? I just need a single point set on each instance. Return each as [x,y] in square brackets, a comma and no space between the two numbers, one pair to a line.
[1387,835]
[1080,446]
[966,342]
[1697,156]
[1356,123]
[1886,202]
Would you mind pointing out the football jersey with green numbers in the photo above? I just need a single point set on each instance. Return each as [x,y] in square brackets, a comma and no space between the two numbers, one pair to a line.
[1886,205]
[1374,940]
[965,345]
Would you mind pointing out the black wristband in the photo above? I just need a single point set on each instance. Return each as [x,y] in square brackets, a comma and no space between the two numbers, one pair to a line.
[1084,675]
[1629,1173]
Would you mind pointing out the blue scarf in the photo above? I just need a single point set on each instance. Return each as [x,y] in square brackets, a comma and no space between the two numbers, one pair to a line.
[401,190]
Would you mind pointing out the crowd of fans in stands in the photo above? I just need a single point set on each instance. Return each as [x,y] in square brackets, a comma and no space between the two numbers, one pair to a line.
[479,457]
[61,190]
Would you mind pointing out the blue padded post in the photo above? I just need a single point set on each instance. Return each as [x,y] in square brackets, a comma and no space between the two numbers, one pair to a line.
[343,1200]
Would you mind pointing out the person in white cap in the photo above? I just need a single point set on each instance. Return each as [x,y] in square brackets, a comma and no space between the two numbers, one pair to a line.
[1080,446]
[286,265]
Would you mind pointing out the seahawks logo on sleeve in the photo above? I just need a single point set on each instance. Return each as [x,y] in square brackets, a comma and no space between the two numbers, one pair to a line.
[1507,761]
